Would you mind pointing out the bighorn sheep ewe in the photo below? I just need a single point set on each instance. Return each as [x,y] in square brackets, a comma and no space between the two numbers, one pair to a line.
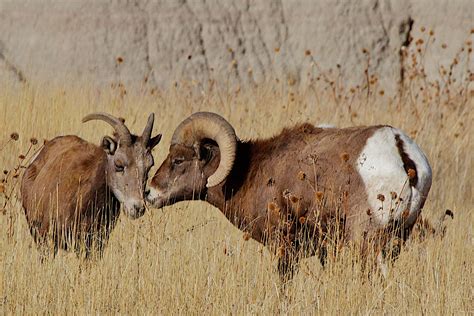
[302,188]
[73,189]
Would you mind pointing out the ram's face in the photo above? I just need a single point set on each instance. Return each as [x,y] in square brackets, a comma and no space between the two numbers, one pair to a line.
[182,176]
[201,156]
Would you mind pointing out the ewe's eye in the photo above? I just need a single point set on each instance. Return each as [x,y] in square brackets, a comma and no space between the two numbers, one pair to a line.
[118,167]
[178,161]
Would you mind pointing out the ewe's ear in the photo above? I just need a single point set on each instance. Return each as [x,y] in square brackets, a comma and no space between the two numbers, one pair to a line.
[109,145]
[154,141]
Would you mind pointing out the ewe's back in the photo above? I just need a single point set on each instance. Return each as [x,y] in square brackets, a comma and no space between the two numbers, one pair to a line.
[62,184]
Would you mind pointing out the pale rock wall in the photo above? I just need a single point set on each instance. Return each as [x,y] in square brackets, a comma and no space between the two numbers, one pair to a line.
[166,41]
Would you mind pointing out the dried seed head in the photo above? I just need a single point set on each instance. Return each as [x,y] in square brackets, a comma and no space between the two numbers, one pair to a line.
[291,81]
[319,196]
[2,188]
[369,212]
[246,236]
[431,32]
[444,46]
[33,141]
[393,195]
[277,49]
[344,157]
[301,175]
[14,136]
[405,213]
[396,242]
[5,171]
[119,60]
[302,220]
[411,173]
[422,29]
[294,199]
[307,52]
[381,197]
[280,252]
[21,157]
[419,42]
[381,92]
[272,207]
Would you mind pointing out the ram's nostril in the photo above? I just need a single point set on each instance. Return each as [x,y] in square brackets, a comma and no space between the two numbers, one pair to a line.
[147,192]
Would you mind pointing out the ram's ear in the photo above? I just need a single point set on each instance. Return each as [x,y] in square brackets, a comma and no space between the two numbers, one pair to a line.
[154,141]
[109,145]
[205,151]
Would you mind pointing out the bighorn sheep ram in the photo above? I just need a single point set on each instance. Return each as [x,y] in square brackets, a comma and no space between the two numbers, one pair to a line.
[72,189]
[296,189]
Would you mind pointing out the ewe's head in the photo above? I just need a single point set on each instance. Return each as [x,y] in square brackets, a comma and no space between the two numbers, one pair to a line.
[201,156]
[128,161]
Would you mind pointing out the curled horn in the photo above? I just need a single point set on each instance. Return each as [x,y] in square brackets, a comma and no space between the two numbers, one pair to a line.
[146,135]
[203,125]
[122,130]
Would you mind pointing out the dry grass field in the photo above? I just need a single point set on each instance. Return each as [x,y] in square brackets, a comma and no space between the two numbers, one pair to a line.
[187,258]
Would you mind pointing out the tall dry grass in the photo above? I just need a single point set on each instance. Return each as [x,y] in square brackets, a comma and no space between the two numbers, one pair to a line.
[188,258]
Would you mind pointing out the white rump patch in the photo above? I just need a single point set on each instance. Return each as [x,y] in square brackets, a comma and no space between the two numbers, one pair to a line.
[381,169]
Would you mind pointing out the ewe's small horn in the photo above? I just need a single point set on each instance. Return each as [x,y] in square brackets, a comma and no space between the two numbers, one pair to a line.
[146,135]
[122,130]
[203,125]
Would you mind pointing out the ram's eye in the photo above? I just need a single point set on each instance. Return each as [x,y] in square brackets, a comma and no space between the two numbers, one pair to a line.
[178,161]
[118,167]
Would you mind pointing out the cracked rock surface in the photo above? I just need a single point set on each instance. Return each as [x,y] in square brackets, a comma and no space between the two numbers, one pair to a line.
[241,42]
